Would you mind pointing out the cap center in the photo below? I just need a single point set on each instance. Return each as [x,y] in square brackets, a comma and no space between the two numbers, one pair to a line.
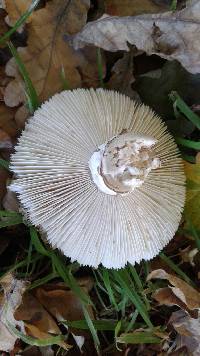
[122,164]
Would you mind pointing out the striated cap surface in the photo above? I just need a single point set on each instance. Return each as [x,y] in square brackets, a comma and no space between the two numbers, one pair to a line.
[101,176]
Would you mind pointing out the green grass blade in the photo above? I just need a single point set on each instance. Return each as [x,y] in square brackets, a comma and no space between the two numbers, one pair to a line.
[4,164]
[100,67]
[37,243]
[118,328]
[188,158]
[121,277]
[59,268]
[100,325]
[33,100]
[184,108]
[132,321]
[78,290]
[20,264]
[106,280]
[68,278]
[11,222]
[138,283]
[65,82]
[194,234]
[144,337]
[12,214]
[91,328]
[136,277]
[43,280]
[30,250]
[19,22]
[54,340]
[173,5]
[188,143]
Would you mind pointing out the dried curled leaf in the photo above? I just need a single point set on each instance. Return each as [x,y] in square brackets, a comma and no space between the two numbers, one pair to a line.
[181,293]
[188,330]
[169,35]
[10,299]
[61,302]
[38,323]
[41,309]
[16,9]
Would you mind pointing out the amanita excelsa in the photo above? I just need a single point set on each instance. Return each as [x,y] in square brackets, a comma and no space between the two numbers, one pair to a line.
[101,176]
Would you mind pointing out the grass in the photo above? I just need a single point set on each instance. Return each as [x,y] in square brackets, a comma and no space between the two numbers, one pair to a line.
[179,104]
[173,5]
[32,98]
[4,164]
[123,294]
[100,67]
[19,22]
[183,108]
[53,340]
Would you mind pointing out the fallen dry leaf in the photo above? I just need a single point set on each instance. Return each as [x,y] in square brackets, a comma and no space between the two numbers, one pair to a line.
[61,302]
[192,206]
[47,55]
[41,308]
[5,141]
[21,115]
[188,254]
[29,308]
[4,174]
[181,293]
[37,321]
[170,35]
[188,330]
[16,9]
[10,201]
[11,297]
[7,122]
[132,8]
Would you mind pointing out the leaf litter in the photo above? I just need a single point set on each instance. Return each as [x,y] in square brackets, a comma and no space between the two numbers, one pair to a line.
[173,36]
[147,52]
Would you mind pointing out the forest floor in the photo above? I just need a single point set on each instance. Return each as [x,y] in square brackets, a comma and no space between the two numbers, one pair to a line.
[48,305]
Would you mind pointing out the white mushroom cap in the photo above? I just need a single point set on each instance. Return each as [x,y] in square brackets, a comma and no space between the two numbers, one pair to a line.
[101,176]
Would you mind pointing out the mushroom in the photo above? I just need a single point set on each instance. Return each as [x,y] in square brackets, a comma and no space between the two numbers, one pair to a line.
[101,176]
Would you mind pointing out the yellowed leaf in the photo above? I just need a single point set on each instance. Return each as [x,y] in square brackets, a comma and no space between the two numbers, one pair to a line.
[192,207]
